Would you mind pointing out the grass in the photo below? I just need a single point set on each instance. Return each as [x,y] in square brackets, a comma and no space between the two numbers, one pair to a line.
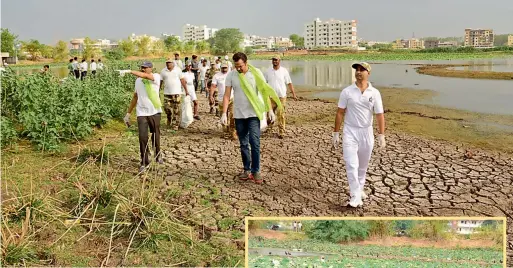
[404,114]
[80,207]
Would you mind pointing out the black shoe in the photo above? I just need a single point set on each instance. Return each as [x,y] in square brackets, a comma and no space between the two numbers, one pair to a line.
[197,117]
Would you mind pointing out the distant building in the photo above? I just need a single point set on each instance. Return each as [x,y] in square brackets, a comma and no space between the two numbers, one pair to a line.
[479,38]
[510,40]
[437,43]
[283,42]
[448,44]
[465,226]
[331,33]
[197,33]
[412,43]
[134,37]
[78,44]
[372,43]
[165,35]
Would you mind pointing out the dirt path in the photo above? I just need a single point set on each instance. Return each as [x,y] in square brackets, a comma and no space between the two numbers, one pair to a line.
[305,177]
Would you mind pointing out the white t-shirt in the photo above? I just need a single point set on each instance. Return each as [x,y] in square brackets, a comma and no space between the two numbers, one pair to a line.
[179,64]
[189,79]
[242,108]
[203,70]
[100,65]
[278,80]
[219,80]
[93,66]
[359,107]
[83,66]
[75,65]
[144,106]
[172,85]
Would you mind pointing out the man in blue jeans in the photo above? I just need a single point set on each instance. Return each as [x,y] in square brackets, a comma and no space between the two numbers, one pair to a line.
[247,121]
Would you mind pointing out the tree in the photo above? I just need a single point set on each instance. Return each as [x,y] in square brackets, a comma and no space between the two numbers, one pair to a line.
[202,46]
[295,39]
[143,46]
[46,51]
[33,47]
[8,41]
[115,54]
[60,51]
[500,40]
[248,51]
[128,47]
[172,43]
[158,48]
[189,47]
[338,231]
[90,51]
[227,40]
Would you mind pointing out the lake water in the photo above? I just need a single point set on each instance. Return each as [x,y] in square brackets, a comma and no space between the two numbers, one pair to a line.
[486,96]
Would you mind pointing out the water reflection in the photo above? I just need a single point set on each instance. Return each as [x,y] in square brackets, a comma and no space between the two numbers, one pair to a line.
[333,75]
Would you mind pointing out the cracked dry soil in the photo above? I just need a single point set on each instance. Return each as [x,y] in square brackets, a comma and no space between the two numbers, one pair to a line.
[304,176]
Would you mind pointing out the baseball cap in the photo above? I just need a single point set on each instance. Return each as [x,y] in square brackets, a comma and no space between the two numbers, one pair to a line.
[224,65]
[147,64]
[363,64]
[276,57]
[169,60]
[212,63]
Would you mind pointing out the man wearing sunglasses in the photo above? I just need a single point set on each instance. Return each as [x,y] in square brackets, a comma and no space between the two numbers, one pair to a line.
[355,107]
[146,100]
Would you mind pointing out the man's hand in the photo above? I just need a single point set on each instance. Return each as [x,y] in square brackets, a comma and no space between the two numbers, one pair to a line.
[123,72]
[381,140]
[294,96]
[336,139]
[272,116]
[224,119]
[126,119]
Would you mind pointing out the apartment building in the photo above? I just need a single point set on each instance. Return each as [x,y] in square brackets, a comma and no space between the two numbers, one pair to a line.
[510,40]
[465,226]
[331,33]
[197,33]
[479,38]
[134,37]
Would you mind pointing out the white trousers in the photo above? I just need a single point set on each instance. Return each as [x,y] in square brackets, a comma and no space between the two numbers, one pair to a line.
[357,146]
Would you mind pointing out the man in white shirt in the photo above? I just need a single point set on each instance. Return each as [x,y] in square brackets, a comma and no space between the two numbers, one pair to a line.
[247,122]
[100,64]
[228,62]
[216,98]
[83,69]
[202,75]
[76,67]
[190,77]
[178,62]
[279,79]
[172,83]
[146,100]
[356,105]
[218,63]
[93,67]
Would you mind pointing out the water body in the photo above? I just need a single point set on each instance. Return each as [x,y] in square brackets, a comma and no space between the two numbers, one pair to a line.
[478,95]
[281,252]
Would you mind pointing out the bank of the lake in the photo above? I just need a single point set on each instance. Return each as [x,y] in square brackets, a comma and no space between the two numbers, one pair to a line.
[445,70]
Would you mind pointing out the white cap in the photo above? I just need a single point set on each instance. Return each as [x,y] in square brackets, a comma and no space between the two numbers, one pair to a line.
[226,57]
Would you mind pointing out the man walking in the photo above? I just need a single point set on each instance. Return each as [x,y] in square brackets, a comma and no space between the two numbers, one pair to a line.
[100,64]
[228,62]
[172,82]
[203,68]
[70,67]
[356,104]
[148,110]
[279,79]
[195,69]
[178,62]
[250,102]
[83,69]
[218,88]
[93,67]
[190,78]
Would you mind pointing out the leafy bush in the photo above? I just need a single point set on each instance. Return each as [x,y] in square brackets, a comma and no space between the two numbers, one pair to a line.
[115,54]
[52,111]
[8,133]
[338,231]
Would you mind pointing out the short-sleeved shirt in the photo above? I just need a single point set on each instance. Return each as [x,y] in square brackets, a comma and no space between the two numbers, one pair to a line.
[178,63]
[242,108]
[75,65]
[144,105]
[360,106]
[172,85]
[93,66]
[83,66]
[203,71]
[195,65]
[220,81]
[278,80]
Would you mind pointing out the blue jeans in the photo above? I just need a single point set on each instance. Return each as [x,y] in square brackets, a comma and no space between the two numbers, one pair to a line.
[248,131]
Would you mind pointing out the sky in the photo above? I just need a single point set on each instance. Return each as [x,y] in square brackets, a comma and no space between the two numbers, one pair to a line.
[51,20]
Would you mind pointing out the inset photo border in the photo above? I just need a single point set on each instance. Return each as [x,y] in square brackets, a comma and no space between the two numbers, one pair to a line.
[375,242]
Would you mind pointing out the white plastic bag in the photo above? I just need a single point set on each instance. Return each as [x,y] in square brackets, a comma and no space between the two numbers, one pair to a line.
[263,123]
[187,116]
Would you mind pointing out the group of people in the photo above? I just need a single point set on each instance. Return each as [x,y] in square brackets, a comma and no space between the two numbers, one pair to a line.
[245,97]
[298,226]
[79,70]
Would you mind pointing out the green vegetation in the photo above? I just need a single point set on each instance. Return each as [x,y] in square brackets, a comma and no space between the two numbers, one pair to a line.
[267,261]
[8,41]
[227,40]
[337,231]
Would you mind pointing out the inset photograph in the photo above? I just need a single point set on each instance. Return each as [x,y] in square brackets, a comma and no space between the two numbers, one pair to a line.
[376,242]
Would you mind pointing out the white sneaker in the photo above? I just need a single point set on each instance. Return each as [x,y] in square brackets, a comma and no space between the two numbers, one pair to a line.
[354,202]
[364,195]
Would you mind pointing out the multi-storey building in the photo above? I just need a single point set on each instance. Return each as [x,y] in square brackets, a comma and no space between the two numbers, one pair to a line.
[479,38]
[197,33]
[465,226]
[331,33]
[510,40]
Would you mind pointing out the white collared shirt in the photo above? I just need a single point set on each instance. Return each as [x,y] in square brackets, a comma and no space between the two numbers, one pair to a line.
[219,80]
[278,80]
[93,66]
[360,106]
[144,105]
